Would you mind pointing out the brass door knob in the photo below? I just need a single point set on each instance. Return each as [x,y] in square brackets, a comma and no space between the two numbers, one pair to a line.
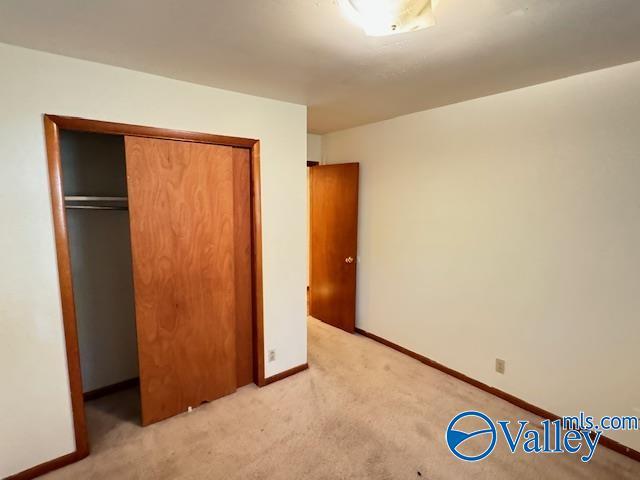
[348,260]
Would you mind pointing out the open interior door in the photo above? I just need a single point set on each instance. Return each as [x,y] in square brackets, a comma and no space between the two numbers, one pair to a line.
[333,196]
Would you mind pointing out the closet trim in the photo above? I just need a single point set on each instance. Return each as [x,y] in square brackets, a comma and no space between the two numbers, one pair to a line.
[52,126]
[97,126]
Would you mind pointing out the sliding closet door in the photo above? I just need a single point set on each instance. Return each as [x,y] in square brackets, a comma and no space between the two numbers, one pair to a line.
[181,203]
[242,227]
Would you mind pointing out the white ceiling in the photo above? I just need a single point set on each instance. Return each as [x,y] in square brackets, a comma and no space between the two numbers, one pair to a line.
[305,51]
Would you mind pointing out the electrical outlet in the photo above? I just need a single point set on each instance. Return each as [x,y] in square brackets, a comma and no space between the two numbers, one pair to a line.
[271,355]
[500,365]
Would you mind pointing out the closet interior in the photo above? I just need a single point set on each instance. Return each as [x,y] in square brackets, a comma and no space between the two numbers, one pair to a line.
[97,217]
[160,249]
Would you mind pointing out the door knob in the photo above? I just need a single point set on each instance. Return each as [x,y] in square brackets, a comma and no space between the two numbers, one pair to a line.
[348,260]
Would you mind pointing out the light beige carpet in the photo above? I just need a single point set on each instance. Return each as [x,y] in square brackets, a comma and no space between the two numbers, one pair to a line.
[362,411]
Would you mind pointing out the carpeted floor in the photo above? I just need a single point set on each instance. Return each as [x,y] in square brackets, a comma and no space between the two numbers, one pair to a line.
[362,411]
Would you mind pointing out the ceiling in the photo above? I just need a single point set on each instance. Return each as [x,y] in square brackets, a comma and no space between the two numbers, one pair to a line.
[305,51]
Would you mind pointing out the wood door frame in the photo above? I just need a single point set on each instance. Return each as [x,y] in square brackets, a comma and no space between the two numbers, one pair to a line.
[52,126]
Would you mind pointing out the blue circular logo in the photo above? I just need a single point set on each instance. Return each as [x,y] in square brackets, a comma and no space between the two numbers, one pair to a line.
[455,438]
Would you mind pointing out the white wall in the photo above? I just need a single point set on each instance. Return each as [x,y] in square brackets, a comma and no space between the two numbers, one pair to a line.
[509,226]
[36,423]
[314,148]
[100,248]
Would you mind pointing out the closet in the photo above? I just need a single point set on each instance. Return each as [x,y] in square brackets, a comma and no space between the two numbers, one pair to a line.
[95,193]
[159,235]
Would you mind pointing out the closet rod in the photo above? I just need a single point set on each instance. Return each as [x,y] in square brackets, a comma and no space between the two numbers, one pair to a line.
[80,198]
[96,207]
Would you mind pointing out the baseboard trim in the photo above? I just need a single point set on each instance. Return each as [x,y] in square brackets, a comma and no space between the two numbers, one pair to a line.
[49,466]
[109,389]
[604,441]
[286,373]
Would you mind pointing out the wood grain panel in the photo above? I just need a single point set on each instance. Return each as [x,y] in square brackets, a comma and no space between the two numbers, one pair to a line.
[182,233]
[242,240]
[333,241]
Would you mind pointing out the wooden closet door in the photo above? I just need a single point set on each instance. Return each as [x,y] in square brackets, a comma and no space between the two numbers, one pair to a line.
[242,227]
[181,203]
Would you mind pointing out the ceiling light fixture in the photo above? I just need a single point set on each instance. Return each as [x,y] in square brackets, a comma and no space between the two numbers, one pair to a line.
[388,17]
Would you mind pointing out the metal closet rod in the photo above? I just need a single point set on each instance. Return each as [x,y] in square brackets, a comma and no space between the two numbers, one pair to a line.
[81,198]
[96,207]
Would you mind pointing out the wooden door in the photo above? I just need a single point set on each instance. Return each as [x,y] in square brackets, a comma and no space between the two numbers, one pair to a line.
[181,203]
[333,244]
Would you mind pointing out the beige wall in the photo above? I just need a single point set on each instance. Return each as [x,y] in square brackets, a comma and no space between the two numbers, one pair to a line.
[35,420]
[509,227]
